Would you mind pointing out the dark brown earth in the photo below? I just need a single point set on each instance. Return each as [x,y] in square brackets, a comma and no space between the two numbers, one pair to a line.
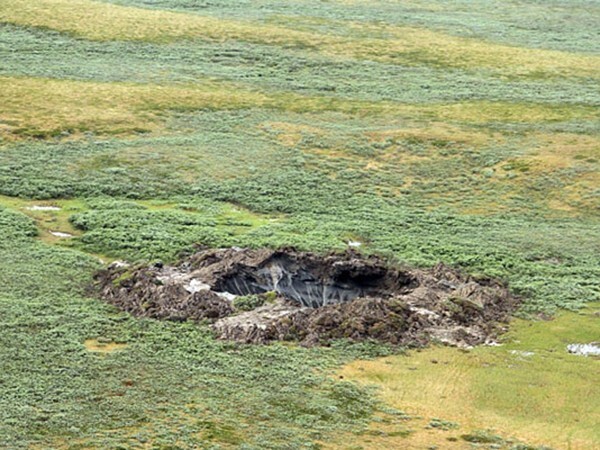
[257,296]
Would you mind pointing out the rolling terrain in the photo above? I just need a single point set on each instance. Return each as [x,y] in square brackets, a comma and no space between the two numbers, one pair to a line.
[462,132]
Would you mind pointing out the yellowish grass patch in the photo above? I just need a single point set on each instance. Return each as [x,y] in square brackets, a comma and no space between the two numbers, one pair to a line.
[106,22]
[41,107]
[574,159]
[548,397]
[416,45]
[290,134]
[563,150]
[95,346]
[406,45]
[438,131]
[45,107]
[460,52]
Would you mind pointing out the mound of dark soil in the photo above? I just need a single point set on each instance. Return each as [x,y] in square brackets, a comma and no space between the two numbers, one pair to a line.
[312,299]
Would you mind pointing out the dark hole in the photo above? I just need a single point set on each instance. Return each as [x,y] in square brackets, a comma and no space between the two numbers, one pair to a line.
[311,283]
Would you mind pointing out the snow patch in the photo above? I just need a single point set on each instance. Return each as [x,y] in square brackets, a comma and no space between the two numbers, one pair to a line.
[42,208]
[61,234]
[196,286]
[592,349]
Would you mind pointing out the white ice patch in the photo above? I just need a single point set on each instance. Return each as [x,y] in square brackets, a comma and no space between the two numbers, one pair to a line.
[170,275]
[592,349]
[226,295]
[196,286]
[60,234]
[42,208]
[118,264]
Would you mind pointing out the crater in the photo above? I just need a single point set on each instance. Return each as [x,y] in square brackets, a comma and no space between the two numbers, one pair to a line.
[257,296]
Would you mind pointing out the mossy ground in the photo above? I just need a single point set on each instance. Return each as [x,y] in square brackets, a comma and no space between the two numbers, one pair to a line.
[462,132]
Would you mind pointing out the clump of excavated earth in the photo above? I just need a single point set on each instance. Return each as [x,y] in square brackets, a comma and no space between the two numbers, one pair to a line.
[257,296]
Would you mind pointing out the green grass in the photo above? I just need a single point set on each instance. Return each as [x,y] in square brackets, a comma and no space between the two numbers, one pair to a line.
[489,18]
[132,231]
[47,108]
[462,132]
[270,68]
[171,384]
[376,42]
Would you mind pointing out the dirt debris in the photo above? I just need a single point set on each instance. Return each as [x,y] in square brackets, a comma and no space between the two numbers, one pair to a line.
[313,299]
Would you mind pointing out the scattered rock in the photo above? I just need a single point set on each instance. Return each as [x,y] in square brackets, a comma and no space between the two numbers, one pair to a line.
[313,299]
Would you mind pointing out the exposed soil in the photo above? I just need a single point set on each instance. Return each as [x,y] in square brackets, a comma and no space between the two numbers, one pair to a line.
[257,296]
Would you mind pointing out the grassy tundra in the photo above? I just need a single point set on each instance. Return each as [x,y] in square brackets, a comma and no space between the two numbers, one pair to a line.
[457,131]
